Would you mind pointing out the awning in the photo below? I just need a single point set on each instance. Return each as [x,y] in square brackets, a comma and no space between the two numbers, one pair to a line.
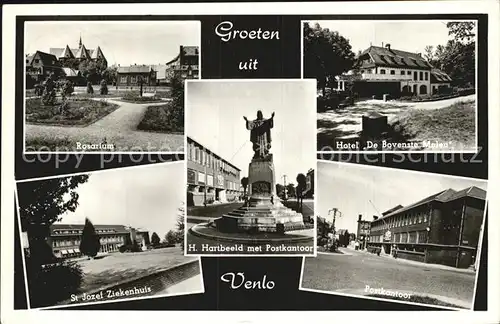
[64,252]
[77,250]
[71,251]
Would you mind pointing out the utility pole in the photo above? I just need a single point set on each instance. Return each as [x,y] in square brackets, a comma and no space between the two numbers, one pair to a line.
[285,196]
[206,178]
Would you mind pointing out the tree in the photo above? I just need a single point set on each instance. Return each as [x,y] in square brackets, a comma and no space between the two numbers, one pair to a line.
[89,244]
[290,188]
[41,203]
[279,190]
[177,94]
[429,53]
[170,237]
[301,186]
[326,54]
[89,71]
[180,224]
[462,31]
[155,239]
[109,74]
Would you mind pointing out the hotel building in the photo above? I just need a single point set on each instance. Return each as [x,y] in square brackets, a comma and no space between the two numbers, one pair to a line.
[210,178]
[443,228]
[65,238]
[384,70]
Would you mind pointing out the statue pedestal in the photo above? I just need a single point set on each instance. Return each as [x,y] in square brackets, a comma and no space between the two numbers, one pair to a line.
[264,212]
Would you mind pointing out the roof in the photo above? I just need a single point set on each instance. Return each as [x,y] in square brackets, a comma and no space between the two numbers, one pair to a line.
[447,195]
[94,54]
[383,56]
[113,228]
[190,50]
[438,76]
[70,72]
[392,210]
[134,69]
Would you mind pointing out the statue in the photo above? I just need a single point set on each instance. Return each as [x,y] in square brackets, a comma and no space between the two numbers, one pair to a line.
[260,134]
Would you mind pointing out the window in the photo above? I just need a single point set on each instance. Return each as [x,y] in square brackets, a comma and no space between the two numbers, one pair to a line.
[123,79]
[421,75]
[393,72]
[426,76]
[362,71]
[133,79]
[382,71]
[402,72]
[415,76]
[37,61]
[425,218]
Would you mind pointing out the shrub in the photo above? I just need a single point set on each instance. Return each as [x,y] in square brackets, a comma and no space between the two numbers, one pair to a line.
[89,244]
[90,89]
[104,87]
[53,283]
[466,91]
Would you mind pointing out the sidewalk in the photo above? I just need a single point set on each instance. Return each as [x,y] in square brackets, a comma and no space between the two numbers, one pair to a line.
[423,264]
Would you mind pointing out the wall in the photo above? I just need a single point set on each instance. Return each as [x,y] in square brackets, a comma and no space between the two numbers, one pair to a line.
[473,220]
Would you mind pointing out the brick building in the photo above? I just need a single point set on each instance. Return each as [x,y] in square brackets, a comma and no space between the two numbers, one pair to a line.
[39,66]
[65,238]
[210,178]
[443,228]
[363,231]
[131,76]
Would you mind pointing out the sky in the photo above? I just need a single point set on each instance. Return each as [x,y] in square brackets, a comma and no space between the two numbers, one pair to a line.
[411,36]
[350,189]
[122,42]
[144,197]
[214,118]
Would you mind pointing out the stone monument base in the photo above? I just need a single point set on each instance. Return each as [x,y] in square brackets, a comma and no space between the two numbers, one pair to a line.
[261,218]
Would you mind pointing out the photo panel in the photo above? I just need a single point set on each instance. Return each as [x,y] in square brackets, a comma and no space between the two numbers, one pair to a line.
[405,86]
[108,86]
[106,236]
[403,236]
[250,158]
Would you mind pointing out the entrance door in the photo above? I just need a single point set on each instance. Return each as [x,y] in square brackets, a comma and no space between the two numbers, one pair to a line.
[387,248]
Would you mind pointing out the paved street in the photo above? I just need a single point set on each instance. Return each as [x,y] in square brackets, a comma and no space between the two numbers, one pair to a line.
[118,128]
[346,273]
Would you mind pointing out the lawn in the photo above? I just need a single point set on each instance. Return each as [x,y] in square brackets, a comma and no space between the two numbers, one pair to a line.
[79,112]
[454,124]
[117,267]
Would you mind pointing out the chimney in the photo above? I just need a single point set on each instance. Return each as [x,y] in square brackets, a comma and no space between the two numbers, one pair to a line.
[388,46]
[375,218]
[382,44]
[359,217]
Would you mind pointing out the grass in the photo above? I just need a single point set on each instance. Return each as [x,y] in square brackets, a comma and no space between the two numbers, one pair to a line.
[417,299]
[79,112]
[163,118]
[49,145]
[456,124]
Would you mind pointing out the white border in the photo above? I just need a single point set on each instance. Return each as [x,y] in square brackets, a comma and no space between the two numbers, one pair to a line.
[165,164]
[477,149]
[186,131]
[90,22]
[431,174]
[9,315]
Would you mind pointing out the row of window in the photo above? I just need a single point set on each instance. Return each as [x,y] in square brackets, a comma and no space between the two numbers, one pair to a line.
[409,237]
[133,79]
[81,231]
[109,239]
[399,221]
[197,154]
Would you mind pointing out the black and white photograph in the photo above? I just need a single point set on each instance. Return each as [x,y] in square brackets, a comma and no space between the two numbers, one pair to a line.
[108,86]
[398,85]
[106,236]
[403,236]
[250,167]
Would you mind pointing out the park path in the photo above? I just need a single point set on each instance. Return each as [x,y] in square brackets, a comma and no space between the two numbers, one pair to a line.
[118,128]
